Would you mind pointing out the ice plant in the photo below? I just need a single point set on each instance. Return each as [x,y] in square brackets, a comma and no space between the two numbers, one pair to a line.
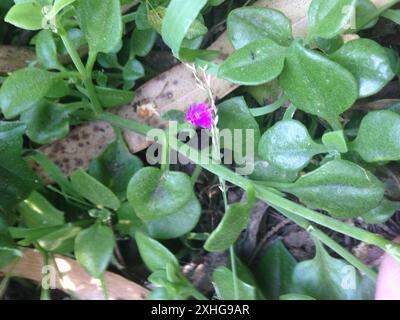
[200,115]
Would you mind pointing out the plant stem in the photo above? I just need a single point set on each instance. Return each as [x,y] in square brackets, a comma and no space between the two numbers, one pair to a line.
[7,277]
[264,193]
[129,17]
[86,76]
[289,113]
[324,238]
[165,154]
[196,174]
[231,248]
[257,112]
[44,292]
[104,287]
[198,295]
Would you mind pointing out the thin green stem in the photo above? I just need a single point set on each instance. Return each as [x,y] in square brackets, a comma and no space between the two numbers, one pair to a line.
[44,292]
[4,283]
[198,295]
[86,77]
[231,248]
[165,154]
[264,193]
[258,112]
[196,174]
[289,113]
[104,287]
[130,17]
[324,238]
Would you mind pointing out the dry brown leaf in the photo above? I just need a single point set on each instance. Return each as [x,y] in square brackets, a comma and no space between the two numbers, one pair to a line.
[75,280]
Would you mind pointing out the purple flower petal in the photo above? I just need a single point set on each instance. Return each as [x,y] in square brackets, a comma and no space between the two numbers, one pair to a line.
[200,115]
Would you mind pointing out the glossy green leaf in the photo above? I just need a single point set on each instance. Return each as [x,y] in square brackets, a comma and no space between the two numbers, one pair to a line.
[61,241]
[94,191]
[264,171]
[382,213]
[392,14]
[316,85]
[178,20]
[258,62]
[133,70]
[115,167]
[365,9]
[273,271]
[329,45]
[27,15]
[288,146]
[327,278]
[142,41]
[101,22]
[8,249]
[46,50]
[93,249]
[36,211]
[327,18]
[57,7]
[223,283]
[23,89]
[341,187]
[110,97]
[234,115]
[178,224]
[128,222]
[378,137]
[154,194]
[58,89]
[335,140]
[248,24]
[17,181]
[154,254]
[369,64]
[228,231]
[46,122]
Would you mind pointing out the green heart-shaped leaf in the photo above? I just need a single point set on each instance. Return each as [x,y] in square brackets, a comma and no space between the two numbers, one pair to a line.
[378,137]
[101,22]
[369,64]
[154,254]
[26,15]
[274,270]
[154,194]
[23,89]
[288,146]
[248,24]
[17,181]
[327,278]
[92,190]
[115,167]
[382,213]
[327,18]
[36,211]
[317,85]
[341,187]
[177,224]
[46,122]
[224,287]
[258,62]
[93,249]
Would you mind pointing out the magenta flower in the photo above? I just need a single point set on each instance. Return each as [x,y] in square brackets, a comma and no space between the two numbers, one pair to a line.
[200,115]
